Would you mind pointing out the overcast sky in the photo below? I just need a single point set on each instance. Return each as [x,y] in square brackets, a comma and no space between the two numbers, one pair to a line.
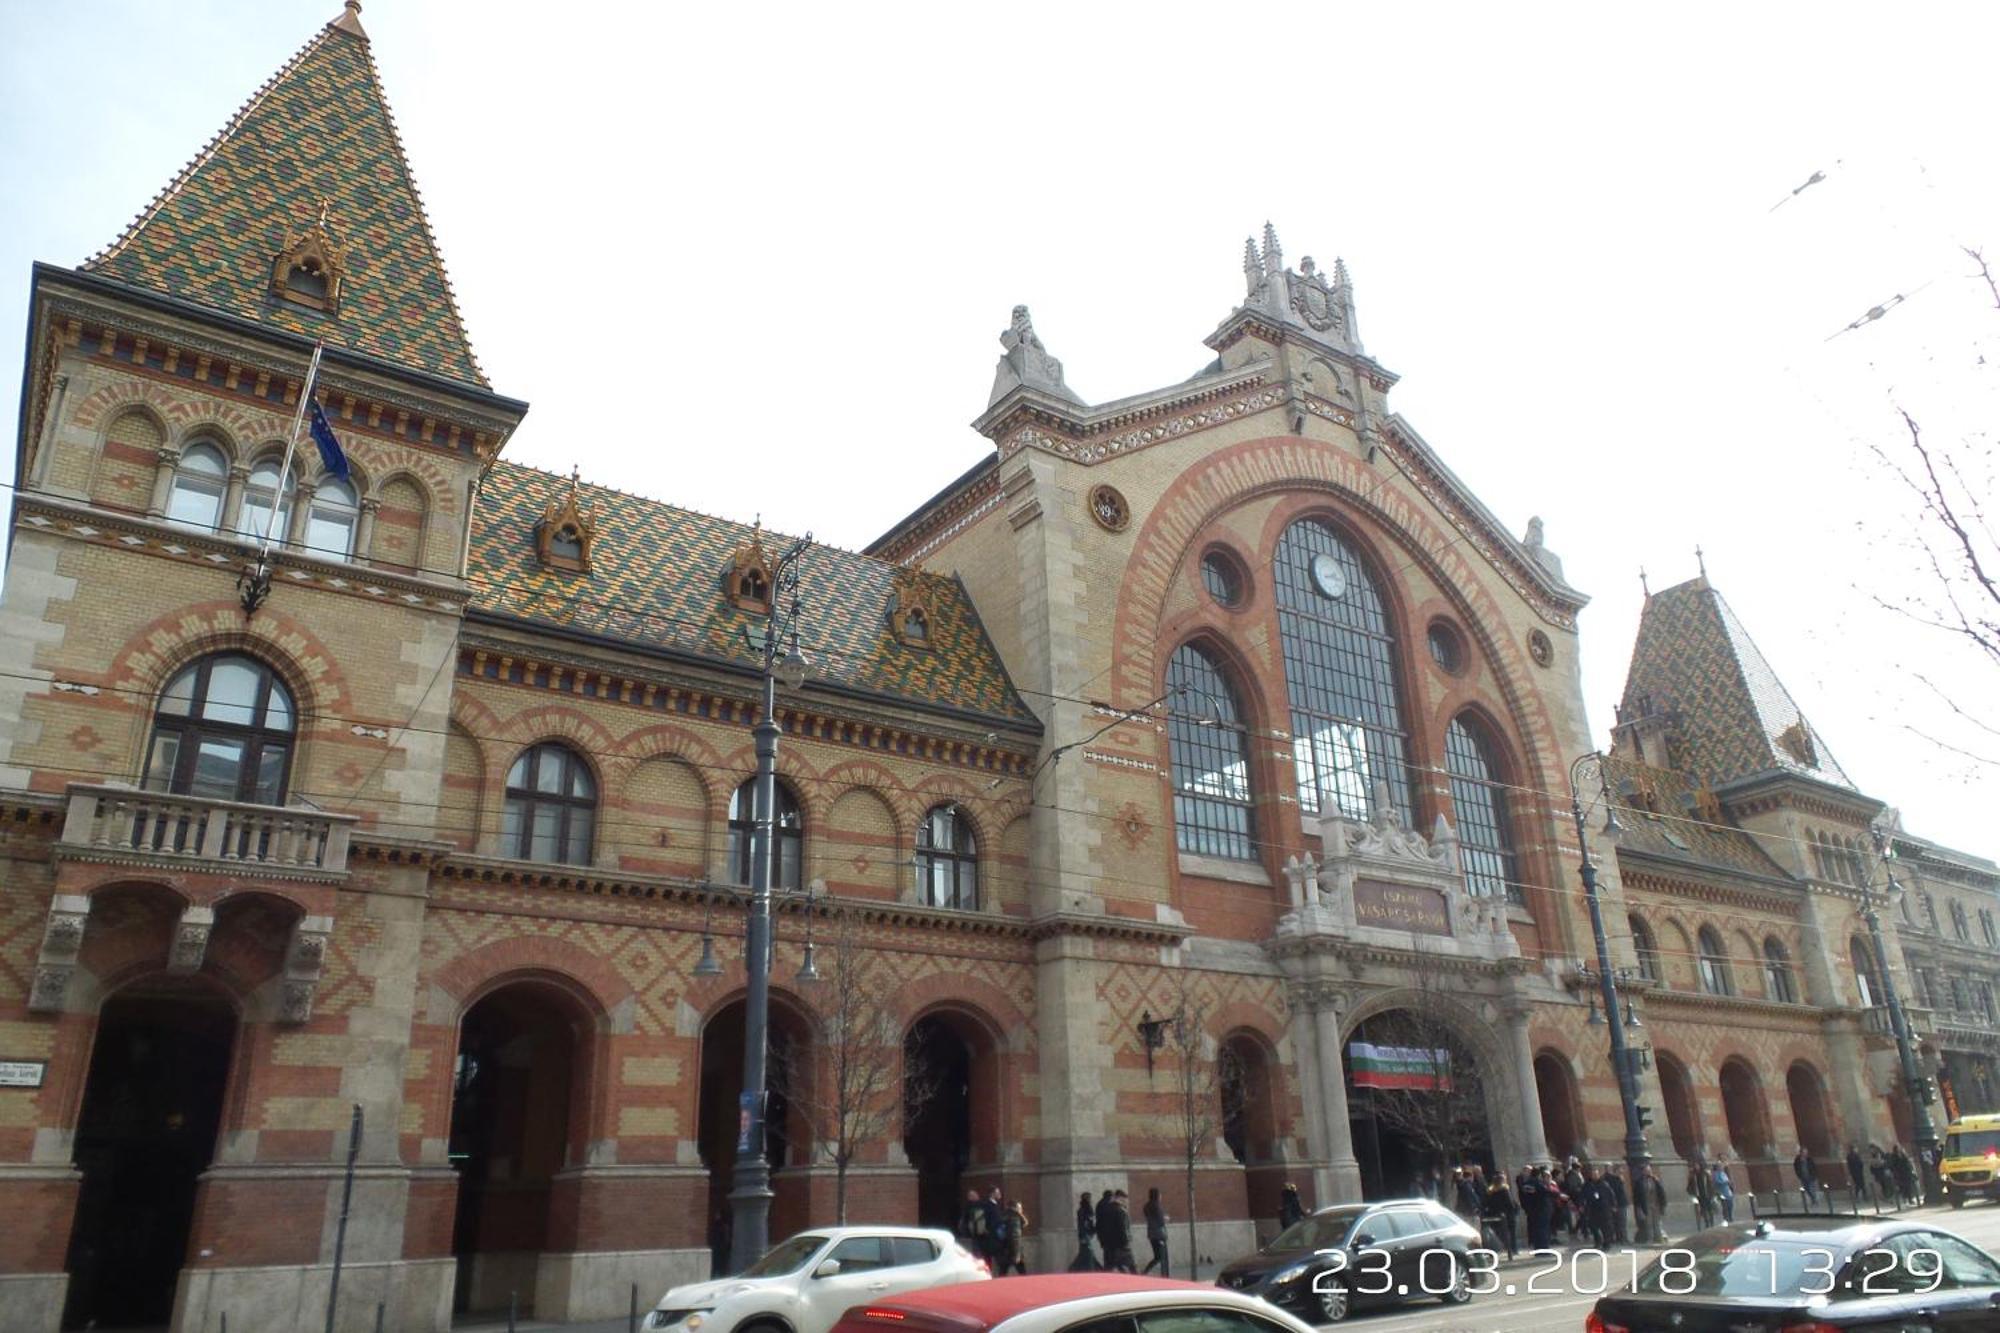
[754,259]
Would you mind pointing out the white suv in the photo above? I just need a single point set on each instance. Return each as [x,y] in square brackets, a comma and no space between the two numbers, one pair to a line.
[804,1284]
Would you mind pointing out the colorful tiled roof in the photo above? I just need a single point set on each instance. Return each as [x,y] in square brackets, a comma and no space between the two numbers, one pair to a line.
[1732,716]
[1662,814]
[657,581]
[318,131]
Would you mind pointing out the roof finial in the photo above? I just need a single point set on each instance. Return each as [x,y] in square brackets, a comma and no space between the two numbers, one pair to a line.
[1701,564]
[1253,265]
[1643,586]
[1274,258]
[350,19]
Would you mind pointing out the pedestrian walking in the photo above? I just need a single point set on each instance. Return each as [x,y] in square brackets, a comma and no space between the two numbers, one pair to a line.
[1594,1204]
[1808,1175]
[1465,1195]
[992,1246]
[1619,1199]
[972,1223]
[1010,1231]
[1884,1175]
[1114,1233]
[1497,1211]
[1086,1231]
[1905,1172]
[1725,1190]
[1701,1189]
[1156,1233]
[1857,1175]
[1290,1210]
[1656,1206]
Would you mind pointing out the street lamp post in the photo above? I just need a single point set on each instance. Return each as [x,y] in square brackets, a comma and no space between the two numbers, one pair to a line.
[1914,1083]
[1637,1156]
[750,1184]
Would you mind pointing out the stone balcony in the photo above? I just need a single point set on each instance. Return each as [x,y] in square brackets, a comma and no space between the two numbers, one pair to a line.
[120,824]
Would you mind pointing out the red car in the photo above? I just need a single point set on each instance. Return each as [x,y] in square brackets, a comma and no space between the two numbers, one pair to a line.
[1084,1302]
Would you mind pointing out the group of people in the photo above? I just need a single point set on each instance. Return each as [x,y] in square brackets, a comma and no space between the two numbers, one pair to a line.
[1574,1199]
[1894,1172]
[1713,1191]
[1108,1222]
[992,1227]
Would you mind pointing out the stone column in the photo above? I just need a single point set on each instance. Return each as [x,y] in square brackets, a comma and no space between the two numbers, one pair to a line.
[364,531]
[1534,1146]
[163,480]
[232,497]
[1342,1173]
[295,522]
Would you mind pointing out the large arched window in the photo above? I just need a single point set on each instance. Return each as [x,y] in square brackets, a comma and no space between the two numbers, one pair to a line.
[788,847]
[947,860]
[551,806]
[1778,984]
[332,520]
[259,494]
[1866,980]
[224,729]
[1210,750]
[1712,963]
[1959,925]
[1341,676]
[195,498]
[1485,837]
[1646,947]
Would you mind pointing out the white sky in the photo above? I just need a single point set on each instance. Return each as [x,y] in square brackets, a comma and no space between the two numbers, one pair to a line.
[755,258]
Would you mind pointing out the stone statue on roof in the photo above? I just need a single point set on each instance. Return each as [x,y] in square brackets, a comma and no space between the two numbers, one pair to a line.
[1025,363]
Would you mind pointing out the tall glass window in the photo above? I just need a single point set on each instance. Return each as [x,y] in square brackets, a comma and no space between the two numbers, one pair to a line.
[947,860]
[259,493]
[1778,972]
[1713,964]
[1485,844]
[788,849]
[1646,947]
[1210,750]
[223,729]
[551,806]
[331,521]
[1341,674]
[1862,959]
[195,499]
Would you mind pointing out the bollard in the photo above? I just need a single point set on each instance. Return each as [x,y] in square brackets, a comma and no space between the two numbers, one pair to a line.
[632,1320]
[513,1309]
[378,1316]
[225,1321]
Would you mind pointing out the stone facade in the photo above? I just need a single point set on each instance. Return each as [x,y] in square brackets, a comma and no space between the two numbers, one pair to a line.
[508,978]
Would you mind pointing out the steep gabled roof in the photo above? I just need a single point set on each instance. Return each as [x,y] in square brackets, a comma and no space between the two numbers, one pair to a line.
[318,133]
[1733,717]
[657,582]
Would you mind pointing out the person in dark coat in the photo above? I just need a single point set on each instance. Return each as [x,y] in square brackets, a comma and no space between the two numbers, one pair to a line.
[721,1232]
[1114,1233]
[1086,1231]
[1655,1190]
[1156,1234]
[992,1238]
[1536,1206]
[1905,1172]
[1857,1175]
[1497,1210]
[1571,1185]
[1615,1182]
[1884,1173]
[1808,1174]
[1594,1205]
[1465,1195]
[1701,1188]
[1290,1209]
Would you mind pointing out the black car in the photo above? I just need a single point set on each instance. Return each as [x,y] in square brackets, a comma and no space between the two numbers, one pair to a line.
[1355,1255]
[1790,1274]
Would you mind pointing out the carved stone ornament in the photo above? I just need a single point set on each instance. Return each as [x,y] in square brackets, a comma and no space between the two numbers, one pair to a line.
[564,534]
[911,618]
[747,582]
[305,956]
[1025,363]
[295,1002]
[1540,649]
[309,269]
[191,939]
[1797,741]
[1317,303]
[51,988]
[62,941]
[1108,507]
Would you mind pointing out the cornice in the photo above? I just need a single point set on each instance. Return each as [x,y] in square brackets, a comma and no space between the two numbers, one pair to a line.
[1744,1006]
[1295,947]
[1678,879]
[958,509]
[1020,421]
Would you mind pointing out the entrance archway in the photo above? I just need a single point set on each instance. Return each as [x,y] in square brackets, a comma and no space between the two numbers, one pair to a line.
[152,1111]
[1419,1101]
[951,1112]
[1806,1091]
[1555,1087]
[787,1139]
[1748,1121]
[1250,1120]
[517,1098]
[1683,1120]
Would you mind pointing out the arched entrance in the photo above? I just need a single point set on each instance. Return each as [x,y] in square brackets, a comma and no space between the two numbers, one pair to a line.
[1683,1120]
[951,1111]
[787,1138]
[152,1110]
[1250,1120]
[1748,1121]
[517,1103]
[1562,1122]
[1806,1091]
[1419,1100]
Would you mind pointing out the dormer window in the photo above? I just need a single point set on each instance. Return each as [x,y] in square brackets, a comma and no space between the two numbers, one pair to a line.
[567,543]
[910,608]
[563,537]
[307,279]
[747,582]
[309,269]
[916,628]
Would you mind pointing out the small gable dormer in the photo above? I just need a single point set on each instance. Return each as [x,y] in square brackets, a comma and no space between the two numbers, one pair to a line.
[564,535]
[747,582]
[910,613]
[309,269]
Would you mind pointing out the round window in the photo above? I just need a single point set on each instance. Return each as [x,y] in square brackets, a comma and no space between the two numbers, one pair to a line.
[1446,649]
[1223,579]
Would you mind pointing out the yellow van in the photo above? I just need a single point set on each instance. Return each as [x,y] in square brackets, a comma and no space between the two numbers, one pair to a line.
[1971,1165]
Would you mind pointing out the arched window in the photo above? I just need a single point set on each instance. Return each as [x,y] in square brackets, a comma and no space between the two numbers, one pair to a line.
[331,521]
[1712,962]
[258,495]
[1959,926]
[1210,750]
[223,729]
[1341,676]
[195,499]
[788,846]
[551,806]
[947,860]
[1866,979]
[1778,984]
[1485,839]
[1986,928]
[1646,947]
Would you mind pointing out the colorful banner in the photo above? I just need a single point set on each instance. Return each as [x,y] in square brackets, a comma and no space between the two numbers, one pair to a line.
[1375,1066]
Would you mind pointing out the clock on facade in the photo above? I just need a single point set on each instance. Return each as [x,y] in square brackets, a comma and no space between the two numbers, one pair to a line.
[1328,576]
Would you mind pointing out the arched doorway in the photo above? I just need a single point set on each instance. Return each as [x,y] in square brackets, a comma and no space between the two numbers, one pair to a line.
[1418,1101]
[152,1110]
[517,1103]
[1250,1119]
[1806,1091]
[1683,1119]
[1562,1122]
[787,1139]
[1748,1121]
[951,1110]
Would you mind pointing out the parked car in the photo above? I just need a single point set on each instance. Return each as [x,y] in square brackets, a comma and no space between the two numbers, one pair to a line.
[1798,1274]
[1082,1302]
[1355,1255]
[801,1285]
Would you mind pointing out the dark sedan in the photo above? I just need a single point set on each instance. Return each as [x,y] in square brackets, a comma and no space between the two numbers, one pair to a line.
[1356,1255]
[1811,1275]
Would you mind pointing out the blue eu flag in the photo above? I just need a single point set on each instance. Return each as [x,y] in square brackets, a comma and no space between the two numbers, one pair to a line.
[330,455]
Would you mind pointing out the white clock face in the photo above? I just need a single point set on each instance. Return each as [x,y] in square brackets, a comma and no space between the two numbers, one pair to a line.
[1328,575]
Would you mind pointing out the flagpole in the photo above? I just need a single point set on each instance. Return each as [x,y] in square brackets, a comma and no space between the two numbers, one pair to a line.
[255,585]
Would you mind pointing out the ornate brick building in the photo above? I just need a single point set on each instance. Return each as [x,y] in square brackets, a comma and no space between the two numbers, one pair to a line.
[1227,702]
